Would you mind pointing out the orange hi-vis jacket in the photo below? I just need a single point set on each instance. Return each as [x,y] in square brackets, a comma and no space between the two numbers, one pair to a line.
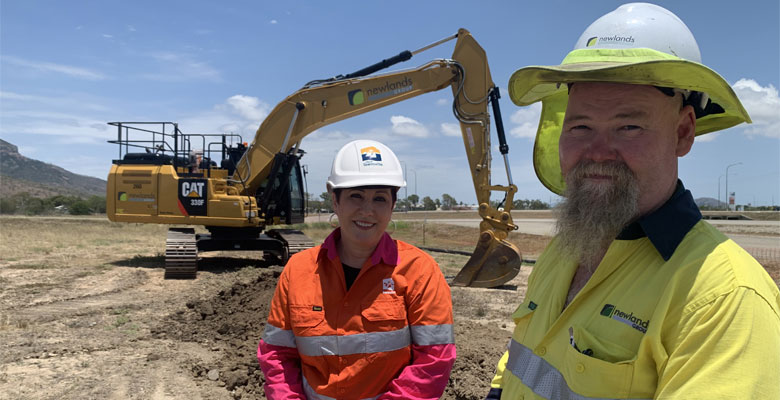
[390,336]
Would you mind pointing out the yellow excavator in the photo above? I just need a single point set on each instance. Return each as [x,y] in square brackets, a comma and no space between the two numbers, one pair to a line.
[164,176]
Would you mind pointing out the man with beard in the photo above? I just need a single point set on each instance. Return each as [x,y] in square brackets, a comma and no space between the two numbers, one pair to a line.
[636,296]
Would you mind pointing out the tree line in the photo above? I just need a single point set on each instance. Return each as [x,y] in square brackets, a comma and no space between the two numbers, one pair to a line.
[323,203]
[26,204]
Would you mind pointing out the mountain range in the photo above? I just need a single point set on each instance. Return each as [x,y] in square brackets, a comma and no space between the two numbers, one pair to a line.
[20,174]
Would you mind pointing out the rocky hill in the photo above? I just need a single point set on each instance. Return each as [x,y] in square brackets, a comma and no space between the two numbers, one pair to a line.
[709,202]
[21,174]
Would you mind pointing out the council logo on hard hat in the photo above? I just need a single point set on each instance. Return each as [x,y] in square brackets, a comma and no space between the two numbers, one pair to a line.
[371,156]
[592,41]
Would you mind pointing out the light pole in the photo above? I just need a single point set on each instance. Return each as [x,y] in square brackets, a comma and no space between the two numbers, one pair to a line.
[415,181]
[406,191]
[719,190]
[728,204]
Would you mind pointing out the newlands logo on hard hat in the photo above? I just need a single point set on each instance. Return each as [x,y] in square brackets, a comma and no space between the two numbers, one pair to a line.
[371,156]
[356,97]
[592,41]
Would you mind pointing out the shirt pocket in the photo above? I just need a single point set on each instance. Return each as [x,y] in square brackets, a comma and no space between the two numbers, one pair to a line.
[384,315]
[606,372]
[304,319]
[522,317]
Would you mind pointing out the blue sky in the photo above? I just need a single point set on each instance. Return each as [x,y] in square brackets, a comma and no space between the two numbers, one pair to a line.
[68,68]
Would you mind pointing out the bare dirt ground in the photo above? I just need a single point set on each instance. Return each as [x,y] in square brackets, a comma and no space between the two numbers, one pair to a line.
[86,314]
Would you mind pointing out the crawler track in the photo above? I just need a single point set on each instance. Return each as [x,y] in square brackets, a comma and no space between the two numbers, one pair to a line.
[296,241]
[181,254]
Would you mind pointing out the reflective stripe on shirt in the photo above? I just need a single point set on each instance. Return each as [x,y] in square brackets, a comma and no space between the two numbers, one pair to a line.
[278,336]
[360,343]
[427,335]
[312,395]
[541,377]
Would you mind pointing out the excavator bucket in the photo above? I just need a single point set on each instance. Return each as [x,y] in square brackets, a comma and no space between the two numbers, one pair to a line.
[493,263]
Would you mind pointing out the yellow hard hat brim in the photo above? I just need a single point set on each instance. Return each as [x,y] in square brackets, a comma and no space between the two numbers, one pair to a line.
[630,66]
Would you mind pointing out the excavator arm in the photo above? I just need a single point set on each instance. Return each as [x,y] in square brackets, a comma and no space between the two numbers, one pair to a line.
[266,161]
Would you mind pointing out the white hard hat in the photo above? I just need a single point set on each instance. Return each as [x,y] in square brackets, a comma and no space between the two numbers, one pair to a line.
[641,25]
[365,163]
[638,43]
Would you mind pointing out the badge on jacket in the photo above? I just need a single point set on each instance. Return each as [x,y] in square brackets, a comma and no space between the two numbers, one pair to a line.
[388,286]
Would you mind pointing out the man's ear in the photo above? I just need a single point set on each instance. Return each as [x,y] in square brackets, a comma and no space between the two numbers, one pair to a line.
[686,130]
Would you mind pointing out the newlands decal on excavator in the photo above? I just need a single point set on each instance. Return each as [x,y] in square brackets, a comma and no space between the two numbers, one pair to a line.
[261,184]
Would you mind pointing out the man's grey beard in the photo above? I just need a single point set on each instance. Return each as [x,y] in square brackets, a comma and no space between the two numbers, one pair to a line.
[593,214]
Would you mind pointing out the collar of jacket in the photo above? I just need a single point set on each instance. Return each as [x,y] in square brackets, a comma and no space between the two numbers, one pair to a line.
[667,226]
[386,250]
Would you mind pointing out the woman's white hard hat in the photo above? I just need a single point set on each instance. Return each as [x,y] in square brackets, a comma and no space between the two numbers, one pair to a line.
[638,43]
[365,163]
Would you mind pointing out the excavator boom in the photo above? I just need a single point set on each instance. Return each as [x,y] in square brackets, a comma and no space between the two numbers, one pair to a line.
[495,261]
[255,188]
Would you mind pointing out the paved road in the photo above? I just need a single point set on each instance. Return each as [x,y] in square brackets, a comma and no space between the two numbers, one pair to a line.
[545,227]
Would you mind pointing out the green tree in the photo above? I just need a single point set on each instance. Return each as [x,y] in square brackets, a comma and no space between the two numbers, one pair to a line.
[538,205]
[80,207]
[327,202]
[34,206]
[97,204]
[414,199]
[7,206]
[448,202]
[403,205]
[428,203]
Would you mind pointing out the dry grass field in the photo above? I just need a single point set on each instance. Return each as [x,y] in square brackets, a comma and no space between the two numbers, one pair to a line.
[85,312]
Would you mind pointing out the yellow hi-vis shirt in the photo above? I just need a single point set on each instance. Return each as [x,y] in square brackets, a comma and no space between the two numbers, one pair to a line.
[704,324]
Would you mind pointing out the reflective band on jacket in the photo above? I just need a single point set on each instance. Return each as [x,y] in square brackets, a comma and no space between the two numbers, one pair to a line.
[372,342]
[427,335]
[278,336]
[312,395]
[536,373]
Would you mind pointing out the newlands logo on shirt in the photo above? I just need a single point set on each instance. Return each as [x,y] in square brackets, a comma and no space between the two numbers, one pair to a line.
[629,319]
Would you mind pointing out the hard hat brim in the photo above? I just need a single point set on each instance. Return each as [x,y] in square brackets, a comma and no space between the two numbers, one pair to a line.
[630,66]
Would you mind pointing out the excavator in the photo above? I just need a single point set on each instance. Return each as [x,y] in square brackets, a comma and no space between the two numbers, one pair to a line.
[164,176]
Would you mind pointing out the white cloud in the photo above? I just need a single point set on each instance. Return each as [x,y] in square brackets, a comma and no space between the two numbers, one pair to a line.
[406,126]
[177,67]
[442,102]
[238,114]
[763,106]
[75,72]
[450,129]
[274,22]
[12,98]
[709,137]
[249,107]
[131,28]
[107,36]
[525,121]
[62,127]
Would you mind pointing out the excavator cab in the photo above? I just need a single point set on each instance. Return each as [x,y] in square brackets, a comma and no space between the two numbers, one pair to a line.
[281,198]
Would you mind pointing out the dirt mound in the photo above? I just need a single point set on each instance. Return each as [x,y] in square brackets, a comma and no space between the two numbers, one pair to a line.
[232,322]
